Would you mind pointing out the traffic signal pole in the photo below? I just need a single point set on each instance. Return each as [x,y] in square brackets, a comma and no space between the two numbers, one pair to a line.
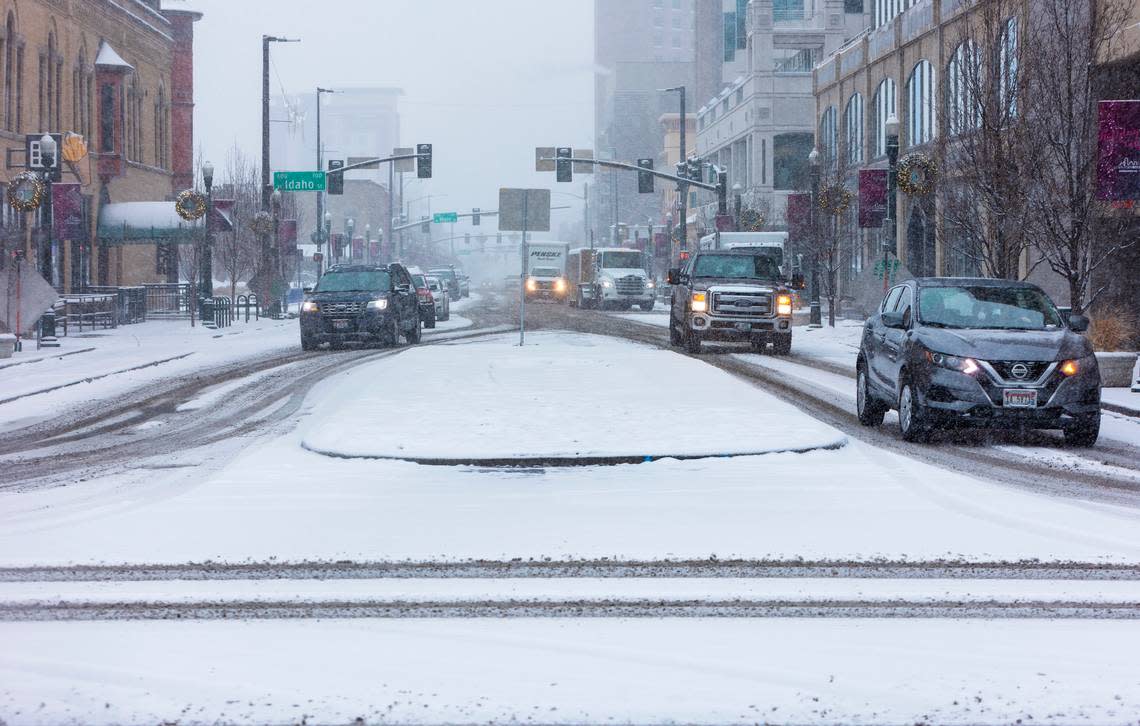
[720,188]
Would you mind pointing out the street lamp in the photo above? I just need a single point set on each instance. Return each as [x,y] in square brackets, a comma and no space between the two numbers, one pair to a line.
[320,167]
[682,187]
[47,156]
[368,242]
[325,238]
[275,201]
[816,319]
[739,201]
[206,258]
[349,227]
[890,244]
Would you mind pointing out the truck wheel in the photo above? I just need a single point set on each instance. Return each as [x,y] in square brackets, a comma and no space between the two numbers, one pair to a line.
[675,336]
[309,342]
[759,346]
[693,343]
[430,322]
[647,306]
[416,334]
[392,334]
[782,344]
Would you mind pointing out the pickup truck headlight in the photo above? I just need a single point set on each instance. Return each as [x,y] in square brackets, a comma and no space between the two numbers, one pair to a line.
[607,282]
[969,366]
[649,284]
[700,302]
[310,306]
[381,304]
[784,305]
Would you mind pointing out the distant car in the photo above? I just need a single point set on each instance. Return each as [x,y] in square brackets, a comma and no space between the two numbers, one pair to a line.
[440,296]
[361,303]
[450,279]
[977,352]
[426,300]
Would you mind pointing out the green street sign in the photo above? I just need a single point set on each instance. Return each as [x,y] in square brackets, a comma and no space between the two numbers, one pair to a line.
[444,217]
[299,181]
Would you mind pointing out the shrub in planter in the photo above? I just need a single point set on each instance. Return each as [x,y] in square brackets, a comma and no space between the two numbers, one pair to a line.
[1113,328]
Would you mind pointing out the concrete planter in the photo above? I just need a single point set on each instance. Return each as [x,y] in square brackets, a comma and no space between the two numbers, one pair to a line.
[1116,369]
[7,345]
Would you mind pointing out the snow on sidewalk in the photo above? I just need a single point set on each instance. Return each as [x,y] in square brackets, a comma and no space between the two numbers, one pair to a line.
[562,395]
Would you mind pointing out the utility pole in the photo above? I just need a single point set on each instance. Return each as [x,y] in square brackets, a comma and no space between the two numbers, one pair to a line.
[269,261]
[682,187]
[320,167]
[585,211]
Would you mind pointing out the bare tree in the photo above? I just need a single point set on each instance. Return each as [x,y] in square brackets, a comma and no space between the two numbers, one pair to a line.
[1064,44]
[237,251]
[985,187]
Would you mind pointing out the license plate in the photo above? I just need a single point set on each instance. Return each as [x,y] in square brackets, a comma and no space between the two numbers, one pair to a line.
[340,324]
[1020,399]
[744,327]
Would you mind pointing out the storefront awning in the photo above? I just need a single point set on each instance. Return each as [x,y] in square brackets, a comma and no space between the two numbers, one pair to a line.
[143,223]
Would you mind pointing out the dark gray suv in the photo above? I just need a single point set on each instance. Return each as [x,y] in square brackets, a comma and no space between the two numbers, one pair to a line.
[361,303]
[982,352]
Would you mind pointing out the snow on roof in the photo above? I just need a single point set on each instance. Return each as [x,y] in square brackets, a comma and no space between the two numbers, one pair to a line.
[108,58]
[141,215]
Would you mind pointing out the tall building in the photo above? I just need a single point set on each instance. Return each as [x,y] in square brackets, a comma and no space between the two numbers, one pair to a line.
[115,78]
[761,125]
[640,47]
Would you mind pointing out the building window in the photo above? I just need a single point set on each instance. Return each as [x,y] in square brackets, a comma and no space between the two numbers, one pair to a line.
[853,6]
[729,37]
[40,102]
[741,24]
[763,161]
[1008,63]
[677,22]
[107,118]
[828,136]
[790,160]
[739,96]
[676,41]
[796,61]
[884,104]
[920,104]
[884,11]
[963,75]
[787,10]
[853,129]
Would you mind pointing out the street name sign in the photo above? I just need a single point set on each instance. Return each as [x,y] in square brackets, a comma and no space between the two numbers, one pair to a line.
[445,217]
[404,165]
[299,181]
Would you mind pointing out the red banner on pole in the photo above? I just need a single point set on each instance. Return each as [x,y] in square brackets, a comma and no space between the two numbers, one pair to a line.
[799,216]
[1118,161]
[358,248]
[67,212]
[287,233]
[872,197]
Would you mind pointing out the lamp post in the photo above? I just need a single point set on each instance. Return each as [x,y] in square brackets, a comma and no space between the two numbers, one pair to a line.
[816,315]
[206,256]
[349,228]
[326,237]
[682,187]
[47,154]
[738,201]
[368,243]
[275,203]
[320,167]
[890,243]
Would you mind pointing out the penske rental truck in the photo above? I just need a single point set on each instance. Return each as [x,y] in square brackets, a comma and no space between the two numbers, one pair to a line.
[546,271]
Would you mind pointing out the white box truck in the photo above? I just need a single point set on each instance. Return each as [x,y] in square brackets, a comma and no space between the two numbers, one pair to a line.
[546,270]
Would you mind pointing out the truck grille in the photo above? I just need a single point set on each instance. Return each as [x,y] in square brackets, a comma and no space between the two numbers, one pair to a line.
[630,285]
[751,304]
[343,308]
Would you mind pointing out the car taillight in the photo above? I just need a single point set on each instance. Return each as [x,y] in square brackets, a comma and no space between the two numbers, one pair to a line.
[424,294]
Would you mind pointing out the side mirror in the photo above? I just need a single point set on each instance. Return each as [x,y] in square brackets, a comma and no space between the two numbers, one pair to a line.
[404,289]
[1078,323]
[673,277]
[798,281]
[892,320]
[307,290]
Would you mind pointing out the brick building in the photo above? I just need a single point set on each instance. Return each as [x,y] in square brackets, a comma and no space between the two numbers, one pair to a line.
[118,73]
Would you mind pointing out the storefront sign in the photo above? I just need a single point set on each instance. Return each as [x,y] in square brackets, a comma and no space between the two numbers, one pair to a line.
[872,197]
[1118,162]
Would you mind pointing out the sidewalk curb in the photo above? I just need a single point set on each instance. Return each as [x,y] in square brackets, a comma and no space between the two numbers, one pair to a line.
[95,378]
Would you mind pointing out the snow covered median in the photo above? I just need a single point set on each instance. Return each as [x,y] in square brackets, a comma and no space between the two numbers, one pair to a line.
[562,396]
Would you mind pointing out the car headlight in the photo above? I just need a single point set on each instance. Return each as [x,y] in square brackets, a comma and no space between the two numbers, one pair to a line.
[381,304]
[310,306]
[531,284]
[969,366]
[784,305]
[607,283]
[700,302]
[560,284]
[649,284]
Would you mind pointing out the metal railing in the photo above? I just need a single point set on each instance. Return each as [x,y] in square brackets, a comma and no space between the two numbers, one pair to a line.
[130,302]
[168,300]
[219,312]
[86,311]
[248,302]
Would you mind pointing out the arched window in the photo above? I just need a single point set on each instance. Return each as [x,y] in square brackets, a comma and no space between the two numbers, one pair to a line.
[963,78]
[1007,60]
[853,129]
[161,129]
[7,55]
[920,104]
[884,108]
[828,136]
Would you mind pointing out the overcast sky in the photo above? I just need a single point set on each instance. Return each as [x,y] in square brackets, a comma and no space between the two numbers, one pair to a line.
[485,81]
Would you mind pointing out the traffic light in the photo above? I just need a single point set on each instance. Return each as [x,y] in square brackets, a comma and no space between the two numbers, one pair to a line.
[336,178]
[425,225]
[423,161]
[475,216]
[722,192]
[695,169]
[682,169]
[644,180]
[562,166]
